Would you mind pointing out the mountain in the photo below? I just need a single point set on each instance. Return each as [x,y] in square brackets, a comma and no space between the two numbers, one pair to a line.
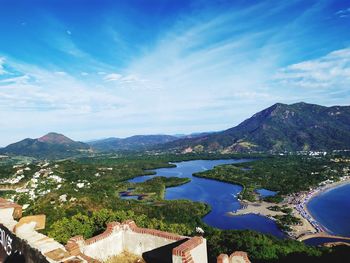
[137,142]
[193,135]
[281,127]
[51,145]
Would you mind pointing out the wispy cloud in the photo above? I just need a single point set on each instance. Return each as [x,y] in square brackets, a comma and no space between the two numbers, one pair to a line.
[328,72]
[2,68]
[205,69]
[38,89]
[343,13]
[203,60]
[15,80]
[112,77]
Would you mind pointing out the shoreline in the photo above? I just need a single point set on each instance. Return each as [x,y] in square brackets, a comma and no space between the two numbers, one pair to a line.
[316,192]
[298,203]
[330,187]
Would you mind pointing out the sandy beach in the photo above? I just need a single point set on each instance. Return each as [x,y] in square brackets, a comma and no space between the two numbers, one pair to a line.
[331,186]
[258,208]
[298,203]
[305,197]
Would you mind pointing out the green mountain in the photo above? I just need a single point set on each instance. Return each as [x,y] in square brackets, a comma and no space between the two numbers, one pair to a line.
[281,127]
[137,142]
[51,145]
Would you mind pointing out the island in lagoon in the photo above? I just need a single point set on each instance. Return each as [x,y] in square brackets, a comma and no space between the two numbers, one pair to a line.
[85,193]
[289,205]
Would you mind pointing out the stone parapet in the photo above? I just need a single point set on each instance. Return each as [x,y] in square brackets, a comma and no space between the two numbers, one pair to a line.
[23,237]
[117,238]
[17,209]
[235,257]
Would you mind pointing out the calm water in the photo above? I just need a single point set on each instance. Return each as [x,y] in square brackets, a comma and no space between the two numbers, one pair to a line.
[219,195]
[321,240]
[332,210]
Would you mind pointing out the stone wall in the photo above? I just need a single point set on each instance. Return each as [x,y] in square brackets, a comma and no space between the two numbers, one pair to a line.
[193,250]
[18,250]
[129,237]
[21,241]
[236,257]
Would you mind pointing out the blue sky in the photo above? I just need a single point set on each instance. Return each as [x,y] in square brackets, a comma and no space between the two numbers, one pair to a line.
[98,68]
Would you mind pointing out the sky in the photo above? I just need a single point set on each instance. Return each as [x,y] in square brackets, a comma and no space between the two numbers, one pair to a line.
[100,68]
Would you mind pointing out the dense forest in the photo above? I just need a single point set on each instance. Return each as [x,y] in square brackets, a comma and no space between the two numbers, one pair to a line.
[75,210]
[284,174]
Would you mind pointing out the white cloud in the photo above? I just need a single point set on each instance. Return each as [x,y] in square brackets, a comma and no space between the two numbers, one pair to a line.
[208,72]
[2,68]
[15,80]
[190,72]
[60,73]
[41,90]
[343,13]
[329,71]
[112,77]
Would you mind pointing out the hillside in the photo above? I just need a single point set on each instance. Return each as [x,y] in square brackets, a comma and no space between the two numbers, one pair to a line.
[51,145]
[137,142]
[281,127]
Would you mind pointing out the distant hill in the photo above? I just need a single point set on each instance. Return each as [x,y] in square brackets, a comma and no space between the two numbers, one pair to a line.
[137,142]
[51,145]
[193,135]
[281,127]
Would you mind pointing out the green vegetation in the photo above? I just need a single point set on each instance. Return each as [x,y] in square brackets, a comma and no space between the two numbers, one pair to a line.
[285,221]
[261,248]
[52,145]
[6,194]
[279,128]
[284,174]
[155,187]
[95,223]
[80,196]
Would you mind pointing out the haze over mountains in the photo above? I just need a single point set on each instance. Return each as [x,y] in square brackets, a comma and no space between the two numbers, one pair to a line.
[137,142]
[281,127]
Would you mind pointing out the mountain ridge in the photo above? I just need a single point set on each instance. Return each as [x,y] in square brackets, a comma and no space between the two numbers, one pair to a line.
[135,142]
[280,127]
[51,145]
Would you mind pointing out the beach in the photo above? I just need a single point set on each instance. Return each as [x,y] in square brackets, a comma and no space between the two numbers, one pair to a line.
[298,202]
[305,197]
[258,208]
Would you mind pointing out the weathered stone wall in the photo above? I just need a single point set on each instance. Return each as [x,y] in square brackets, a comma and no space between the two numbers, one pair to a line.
[193,250]
[236,257]
[107,244]
[199,253]
[16,250]
[118,238]
[139,240]
[20,242]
